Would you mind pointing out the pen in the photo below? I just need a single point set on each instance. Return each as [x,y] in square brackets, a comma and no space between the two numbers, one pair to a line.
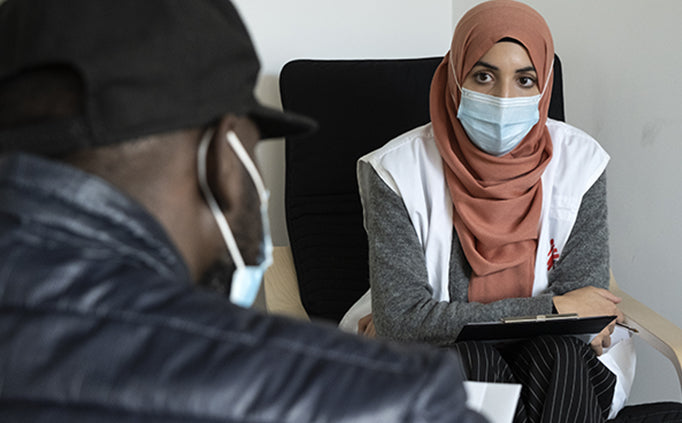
[630,328]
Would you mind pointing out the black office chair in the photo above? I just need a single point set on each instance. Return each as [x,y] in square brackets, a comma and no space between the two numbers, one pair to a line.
[359,106]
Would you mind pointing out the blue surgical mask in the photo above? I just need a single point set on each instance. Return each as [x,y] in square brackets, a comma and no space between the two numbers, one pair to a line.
[497,125]
[246,279]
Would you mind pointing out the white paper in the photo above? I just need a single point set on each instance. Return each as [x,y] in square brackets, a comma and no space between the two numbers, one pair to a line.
[621,360]
[360,309]
[495,401]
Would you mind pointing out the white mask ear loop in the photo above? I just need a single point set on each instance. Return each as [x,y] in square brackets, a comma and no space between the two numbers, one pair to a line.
[454,74]
[224,228]
[263,193]
[551,69]
[250,166]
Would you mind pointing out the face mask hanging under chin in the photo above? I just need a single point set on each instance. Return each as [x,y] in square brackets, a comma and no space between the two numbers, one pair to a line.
[246,279]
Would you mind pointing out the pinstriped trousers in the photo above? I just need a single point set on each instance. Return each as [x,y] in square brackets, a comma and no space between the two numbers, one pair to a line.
[562,379]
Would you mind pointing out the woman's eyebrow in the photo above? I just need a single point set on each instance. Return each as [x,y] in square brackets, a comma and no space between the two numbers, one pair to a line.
[486,65]
[526,69]
[495,68]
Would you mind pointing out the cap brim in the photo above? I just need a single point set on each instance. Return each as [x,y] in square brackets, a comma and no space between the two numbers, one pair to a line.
[274,123]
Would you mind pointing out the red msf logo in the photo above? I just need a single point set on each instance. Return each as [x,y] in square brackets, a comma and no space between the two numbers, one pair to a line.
[553,255]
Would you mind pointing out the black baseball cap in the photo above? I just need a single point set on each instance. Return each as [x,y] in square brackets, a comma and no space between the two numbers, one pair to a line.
[147,66]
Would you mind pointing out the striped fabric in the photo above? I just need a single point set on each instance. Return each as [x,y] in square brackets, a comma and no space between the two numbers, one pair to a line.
[562,379]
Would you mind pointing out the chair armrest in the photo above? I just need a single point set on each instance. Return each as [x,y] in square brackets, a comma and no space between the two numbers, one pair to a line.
[281,286]
[653,328]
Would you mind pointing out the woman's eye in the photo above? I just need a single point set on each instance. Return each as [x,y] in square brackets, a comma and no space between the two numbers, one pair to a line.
[482,77]
[527,81]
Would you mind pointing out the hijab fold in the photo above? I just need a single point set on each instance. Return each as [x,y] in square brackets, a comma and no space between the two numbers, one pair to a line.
[497,200]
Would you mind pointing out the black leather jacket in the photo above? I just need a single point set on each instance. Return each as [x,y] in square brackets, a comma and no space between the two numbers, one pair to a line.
[99,322]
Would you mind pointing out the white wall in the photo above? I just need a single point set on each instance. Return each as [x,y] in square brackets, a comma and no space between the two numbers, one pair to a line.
[286,30]
[622,85]
[621,61]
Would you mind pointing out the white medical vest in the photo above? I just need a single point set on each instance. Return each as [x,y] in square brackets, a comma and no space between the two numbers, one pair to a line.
[413,168]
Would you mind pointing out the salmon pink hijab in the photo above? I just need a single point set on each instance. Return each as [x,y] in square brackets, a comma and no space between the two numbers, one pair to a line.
[497,200]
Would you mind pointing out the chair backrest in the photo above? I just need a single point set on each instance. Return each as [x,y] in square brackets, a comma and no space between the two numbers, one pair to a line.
[359,106]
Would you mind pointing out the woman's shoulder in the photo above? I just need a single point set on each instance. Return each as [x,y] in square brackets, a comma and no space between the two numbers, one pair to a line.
[577,159]
[567,139]
[418,137]
[563,131]
[407,163]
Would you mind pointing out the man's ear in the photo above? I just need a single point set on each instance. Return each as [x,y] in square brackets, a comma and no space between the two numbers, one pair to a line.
[232,186]
[223,168]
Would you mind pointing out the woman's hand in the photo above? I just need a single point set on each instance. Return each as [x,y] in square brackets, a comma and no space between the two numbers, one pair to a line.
[603,339]
[589,301]
[366,327]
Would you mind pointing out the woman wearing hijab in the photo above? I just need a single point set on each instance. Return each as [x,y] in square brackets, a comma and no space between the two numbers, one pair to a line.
[493,210]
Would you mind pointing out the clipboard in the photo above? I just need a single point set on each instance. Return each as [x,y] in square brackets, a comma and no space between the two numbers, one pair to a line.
[515,328]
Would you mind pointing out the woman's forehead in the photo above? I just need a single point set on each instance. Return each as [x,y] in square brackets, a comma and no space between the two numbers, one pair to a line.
[508,54]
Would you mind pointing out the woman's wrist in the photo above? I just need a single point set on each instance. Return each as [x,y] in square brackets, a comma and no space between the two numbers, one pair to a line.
[556,300]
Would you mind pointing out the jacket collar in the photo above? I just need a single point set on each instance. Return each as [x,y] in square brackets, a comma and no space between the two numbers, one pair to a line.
[66,199]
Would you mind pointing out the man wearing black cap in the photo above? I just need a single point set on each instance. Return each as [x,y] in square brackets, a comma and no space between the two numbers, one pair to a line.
[126,134]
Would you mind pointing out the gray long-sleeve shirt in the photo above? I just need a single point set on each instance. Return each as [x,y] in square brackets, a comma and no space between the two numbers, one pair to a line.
[402,304]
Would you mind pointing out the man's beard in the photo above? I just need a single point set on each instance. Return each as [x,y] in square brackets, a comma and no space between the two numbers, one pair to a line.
[247,231]
[218,277]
